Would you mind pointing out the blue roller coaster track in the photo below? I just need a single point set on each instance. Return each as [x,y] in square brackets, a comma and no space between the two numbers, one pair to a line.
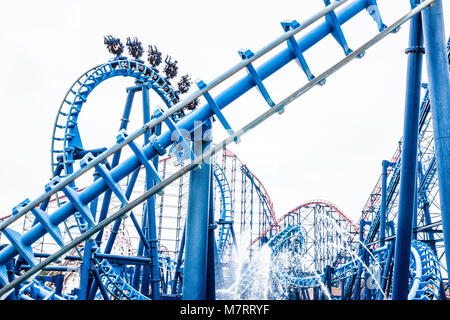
[191,218]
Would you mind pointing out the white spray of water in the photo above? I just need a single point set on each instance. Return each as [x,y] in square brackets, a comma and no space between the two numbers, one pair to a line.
[249,277]
[263,275]
[355,256]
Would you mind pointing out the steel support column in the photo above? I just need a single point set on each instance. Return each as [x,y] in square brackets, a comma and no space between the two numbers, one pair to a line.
[409,161]
[439,82]
[85,270]
[177,276]
[211,255]
[150,273]
[196,250]
[385,165]
[386,270]
[115,161]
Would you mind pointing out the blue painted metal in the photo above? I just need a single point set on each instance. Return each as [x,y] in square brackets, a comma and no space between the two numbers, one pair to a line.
[323,217]
[104,173]
[372,9]
[424,186]
[79,93]
[116,157]
[427,181]
[212,248]
[247,54]
[152,273]
[52,229]
[409,161]
[197,221]
[336,32]
[104,72]
[426,275]
[108,177]
[266,69]
[217,112]
[85,270]
[394,175]
[391,195]
[437,66]
[267,222]
[35,290]
[149,167]
[85,214]
[293,45]
[385,165]
[292,235]
[115,284]
[100,284]
[23,249]
[113,186]
[180,137]
[225,220]
[117,223]
[178,268]
[387,262]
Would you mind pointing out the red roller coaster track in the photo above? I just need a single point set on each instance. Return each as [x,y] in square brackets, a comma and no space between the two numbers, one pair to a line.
[305,204]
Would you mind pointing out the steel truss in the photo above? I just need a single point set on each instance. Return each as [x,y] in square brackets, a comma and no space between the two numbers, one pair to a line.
[84,226]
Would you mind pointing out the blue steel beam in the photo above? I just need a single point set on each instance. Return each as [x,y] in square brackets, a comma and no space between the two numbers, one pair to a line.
[212,249]
[153,273]
[293,45]
[197,221]
[409,162]
[383,201]
[385,165]
[177,276]
[116,157]
[226,215]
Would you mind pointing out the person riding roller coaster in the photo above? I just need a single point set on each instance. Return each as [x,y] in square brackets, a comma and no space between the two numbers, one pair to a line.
[135,48]
[154,57]
[114,46]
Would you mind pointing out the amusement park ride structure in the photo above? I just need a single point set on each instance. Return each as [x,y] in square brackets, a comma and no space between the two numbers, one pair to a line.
[128,222]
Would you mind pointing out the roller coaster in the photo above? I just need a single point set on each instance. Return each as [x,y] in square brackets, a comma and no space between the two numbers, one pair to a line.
[167,213]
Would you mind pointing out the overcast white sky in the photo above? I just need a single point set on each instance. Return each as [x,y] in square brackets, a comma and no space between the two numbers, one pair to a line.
[329,144]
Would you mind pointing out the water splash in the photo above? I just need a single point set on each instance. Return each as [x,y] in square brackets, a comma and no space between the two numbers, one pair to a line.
[267,274]
[263,275]
[355,257]
[252,277]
